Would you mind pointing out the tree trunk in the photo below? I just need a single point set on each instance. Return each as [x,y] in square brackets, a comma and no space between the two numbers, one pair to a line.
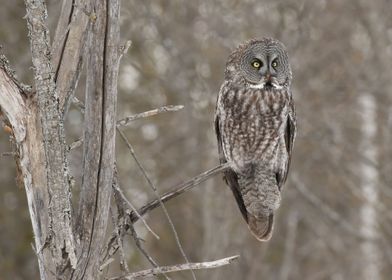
[99,135]
[36,119]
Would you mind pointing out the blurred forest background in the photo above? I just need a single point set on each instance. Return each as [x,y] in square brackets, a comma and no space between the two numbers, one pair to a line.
[335,220]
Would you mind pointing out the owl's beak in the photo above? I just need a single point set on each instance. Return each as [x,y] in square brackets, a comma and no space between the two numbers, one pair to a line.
[268,80]
[268,76]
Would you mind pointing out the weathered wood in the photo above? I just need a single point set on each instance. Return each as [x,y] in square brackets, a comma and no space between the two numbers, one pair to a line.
[22,115]
[178,267]
[68,48]
[99,136]
[60,240]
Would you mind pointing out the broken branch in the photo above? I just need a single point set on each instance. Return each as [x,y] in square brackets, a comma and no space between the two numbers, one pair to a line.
[178,267]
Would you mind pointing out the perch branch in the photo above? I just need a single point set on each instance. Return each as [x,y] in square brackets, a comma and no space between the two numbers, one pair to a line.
[179,189]
[179,267]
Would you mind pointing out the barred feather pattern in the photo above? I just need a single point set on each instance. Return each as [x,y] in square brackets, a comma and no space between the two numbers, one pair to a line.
[251,124]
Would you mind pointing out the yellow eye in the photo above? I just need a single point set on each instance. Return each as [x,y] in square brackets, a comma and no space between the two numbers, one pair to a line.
[274,63]
[256,64]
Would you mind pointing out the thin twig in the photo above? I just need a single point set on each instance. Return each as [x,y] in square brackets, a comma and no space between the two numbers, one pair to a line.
[78,104]
[143,251]
[117,218]
[126,121]
[169,108]
[75,144]
[124,199]
[179,189]
[327,210]
[179,267]
[124,49]
[124,225]
[8,154]
[122,204]
[154,188]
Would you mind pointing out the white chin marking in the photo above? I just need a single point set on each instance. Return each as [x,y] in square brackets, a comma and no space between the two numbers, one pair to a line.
[258,86]
[277,86]
[262,85]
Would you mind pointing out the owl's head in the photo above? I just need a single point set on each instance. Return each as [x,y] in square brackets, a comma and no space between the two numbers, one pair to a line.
[260,63]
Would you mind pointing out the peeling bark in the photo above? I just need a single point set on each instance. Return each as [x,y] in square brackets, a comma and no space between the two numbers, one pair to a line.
[60,238]
[22,114]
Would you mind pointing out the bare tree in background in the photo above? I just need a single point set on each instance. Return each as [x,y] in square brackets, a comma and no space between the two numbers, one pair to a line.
[369,185]
[339,50]
[73,244]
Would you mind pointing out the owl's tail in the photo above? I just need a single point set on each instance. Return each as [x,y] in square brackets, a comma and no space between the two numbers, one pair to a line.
[261,227]
[259,219]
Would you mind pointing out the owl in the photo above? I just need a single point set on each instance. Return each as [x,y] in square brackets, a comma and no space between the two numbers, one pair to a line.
[255,124]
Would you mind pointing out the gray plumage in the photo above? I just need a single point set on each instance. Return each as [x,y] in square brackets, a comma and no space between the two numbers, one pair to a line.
[255,126]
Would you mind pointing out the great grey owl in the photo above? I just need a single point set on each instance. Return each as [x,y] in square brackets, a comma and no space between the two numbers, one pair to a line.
[255,125]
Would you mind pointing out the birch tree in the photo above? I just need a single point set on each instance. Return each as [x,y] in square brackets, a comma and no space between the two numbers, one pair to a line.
[369,188]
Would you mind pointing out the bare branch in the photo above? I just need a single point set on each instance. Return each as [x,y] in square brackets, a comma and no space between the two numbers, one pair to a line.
[126,121]
[117,214]
[169,108]
[143,251]
[179,189]
[78,104]
[179,267]
[124,48]
[154,188]
[76,144]
[136,215]
[122,226]
[124,200]
[328,211]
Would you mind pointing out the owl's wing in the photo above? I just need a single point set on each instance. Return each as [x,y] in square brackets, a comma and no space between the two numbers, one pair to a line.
[230,176]
[289,136]
[222,158]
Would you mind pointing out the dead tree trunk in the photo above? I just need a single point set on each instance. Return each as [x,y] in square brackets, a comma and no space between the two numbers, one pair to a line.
[72,244]
[36,119]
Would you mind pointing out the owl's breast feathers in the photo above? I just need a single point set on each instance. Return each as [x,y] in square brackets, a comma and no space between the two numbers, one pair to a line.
[252,124]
